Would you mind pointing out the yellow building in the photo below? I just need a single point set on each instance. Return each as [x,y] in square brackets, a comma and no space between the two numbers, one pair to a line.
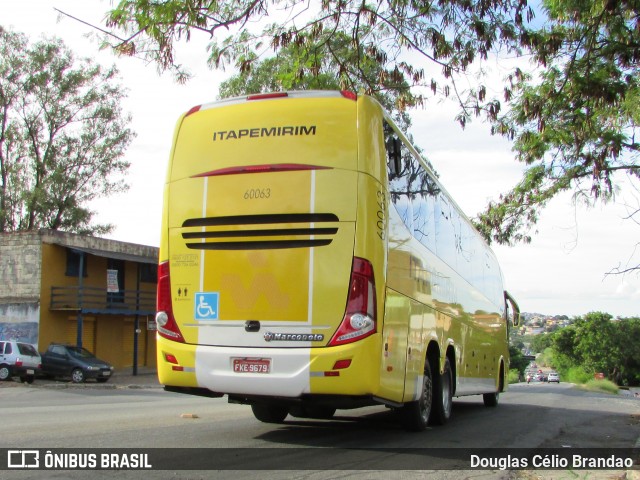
[64,287]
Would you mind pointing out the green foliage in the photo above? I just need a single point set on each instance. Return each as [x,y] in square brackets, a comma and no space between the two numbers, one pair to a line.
[575,375]
[517,360]
[302,68]
[574,122]
[62,136]
[540,342]
[596,343]
[629,331]
[396,38]
[548,358]
[513,376]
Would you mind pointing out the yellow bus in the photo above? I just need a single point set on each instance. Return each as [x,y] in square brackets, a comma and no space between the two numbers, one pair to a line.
[311,261]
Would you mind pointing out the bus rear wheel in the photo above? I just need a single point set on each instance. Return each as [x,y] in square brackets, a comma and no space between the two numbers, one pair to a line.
[443,395]
[270,413]
[490,399]
[415,415]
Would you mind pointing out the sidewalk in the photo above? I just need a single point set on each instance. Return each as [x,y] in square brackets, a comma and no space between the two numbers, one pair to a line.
[122,378]
[146,378]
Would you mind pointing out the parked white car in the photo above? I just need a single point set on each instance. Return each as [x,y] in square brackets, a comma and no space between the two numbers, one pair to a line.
[553,377]
[19,359]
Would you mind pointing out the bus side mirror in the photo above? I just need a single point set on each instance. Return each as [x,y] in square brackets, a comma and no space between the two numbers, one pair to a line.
[512,309]
[394,152]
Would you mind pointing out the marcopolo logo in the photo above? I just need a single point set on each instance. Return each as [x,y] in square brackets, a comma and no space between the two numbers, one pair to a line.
[293,337]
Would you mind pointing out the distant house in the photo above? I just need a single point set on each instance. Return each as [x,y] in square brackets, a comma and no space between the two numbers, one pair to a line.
[94,292]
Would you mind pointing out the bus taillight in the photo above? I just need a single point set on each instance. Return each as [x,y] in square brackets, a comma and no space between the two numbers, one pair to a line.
[165,321]
[193,110]
[349,95]
[360,316]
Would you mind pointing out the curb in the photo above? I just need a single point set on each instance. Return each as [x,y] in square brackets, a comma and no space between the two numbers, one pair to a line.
[60,385]
[95,386]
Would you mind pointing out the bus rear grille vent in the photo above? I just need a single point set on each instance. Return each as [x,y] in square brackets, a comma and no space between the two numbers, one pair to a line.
[239,237]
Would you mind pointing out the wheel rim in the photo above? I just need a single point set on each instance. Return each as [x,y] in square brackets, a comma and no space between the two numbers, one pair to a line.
[77,376]
[4,373]
[426,398]
[447,401]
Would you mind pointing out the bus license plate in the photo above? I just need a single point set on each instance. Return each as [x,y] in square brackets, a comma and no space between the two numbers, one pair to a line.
[251,365]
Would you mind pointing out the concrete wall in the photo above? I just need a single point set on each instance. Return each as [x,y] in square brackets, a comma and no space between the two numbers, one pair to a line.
[20,275]
[20,267]
[19,321]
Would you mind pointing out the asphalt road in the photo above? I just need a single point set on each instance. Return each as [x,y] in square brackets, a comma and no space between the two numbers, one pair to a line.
[529,416]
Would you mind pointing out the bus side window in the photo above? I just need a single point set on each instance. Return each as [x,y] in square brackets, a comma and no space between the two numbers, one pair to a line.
[394,152]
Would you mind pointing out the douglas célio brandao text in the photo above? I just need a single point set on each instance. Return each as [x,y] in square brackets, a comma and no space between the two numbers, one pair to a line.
[572,461]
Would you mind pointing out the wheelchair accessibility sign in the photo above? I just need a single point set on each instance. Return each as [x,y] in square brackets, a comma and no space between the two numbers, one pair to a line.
[206,305]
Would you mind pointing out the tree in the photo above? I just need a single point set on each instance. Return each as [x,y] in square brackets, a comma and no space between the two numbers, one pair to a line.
[449,35]
[517,359]
[573,124]
[540,342]
[629,333]
[287,72]
[62,136]
[596,343]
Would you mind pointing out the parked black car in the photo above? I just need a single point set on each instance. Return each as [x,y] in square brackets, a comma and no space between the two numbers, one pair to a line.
[78,363]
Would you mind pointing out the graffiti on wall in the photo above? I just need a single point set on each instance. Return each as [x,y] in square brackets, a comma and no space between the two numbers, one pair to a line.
[20,321]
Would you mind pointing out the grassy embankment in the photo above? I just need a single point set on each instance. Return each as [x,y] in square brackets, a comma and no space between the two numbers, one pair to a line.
[580,378]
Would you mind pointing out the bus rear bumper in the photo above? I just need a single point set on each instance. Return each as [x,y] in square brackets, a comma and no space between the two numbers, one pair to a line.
[283,372]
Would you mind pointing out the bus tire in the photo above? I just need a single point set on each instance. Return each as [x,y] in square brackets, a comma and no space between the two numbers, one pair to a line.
[415,415]
[491,399]
[442,395]
[270,413]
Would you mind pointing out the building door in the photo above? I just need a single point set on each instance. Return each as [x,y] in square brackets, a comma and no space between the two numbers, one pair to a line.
[88,332]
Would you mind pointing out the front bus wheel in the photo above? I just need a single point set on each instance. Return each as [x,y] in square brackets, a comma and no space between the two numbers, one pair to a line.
[415,415]
[270,413]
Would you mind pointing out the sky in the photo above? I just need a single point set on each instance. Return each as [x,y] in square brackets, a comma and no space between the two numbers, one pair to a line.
[563,271]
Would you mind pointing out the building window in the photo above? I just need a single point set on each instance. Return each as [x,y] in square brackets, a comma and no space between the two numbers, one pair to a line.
[148,272]
[117,294]
[73,263]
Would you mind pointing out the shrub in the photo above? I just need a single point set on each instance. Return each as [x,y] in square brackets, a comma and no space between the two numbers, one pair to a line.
[576,375]
[513,376]
[602,386]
